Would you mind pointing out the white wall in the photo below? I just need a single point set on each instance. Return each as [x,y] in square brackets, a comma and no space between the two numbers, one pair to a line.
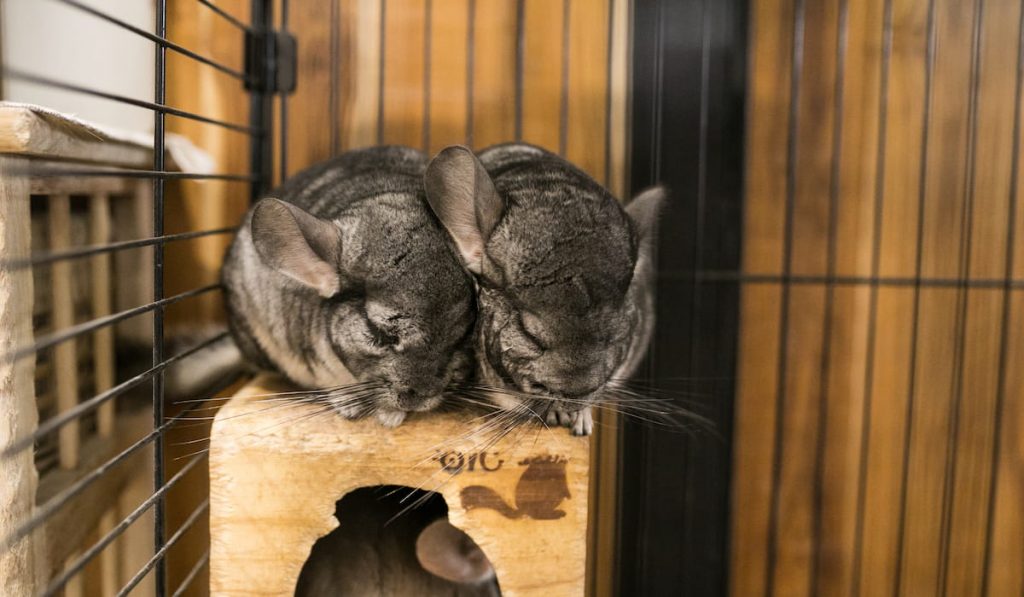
[53,40]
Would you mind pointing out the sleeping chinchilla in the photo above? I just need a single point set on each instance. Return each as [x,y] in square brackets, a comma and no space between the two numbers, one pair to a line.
[343,278]
[566,287]
[382,546]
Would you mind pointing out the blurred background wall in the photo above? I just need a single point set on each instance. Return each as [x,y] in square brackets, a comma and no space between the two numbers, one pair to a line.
[881,398]
[46,39]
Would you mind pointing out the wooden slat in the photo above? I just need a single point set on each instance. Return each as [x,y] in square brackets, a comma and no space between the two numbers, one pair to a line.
[18,411]
[543,48]
[858,148]
[69,528]
[76,585]
[137,540]
[110,559]
[309,108]
[361,85]
[815,126]
[102,339]
[1005,575]
[839,473]
[404,63]
[880,515]
[200,205]
[24,131]
[757,373]
[800,397]
[59,185]
[587,86]
[938,361]
[449,28]
[757,366]
[903,138]
[493,78]
[971,481]
[619,97]
[770,72]
[65,362]
[801,402]
[882,482]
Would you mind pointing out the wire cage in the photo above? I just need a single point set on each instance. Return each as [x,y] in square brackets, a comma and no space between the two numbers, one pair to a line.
[838,273]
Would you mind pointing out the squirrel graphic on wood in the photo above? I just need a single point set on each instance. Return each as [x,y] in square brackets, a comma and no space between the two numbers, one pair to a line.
[541,488]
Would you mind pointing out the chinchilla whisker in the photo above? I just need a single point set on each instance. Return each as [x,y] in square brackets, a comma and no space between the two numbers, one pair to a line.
[656,406]
[642,418]
[292,420]
[212,417]
[502,425]
[488,421]
[418,501]
[285,406]
[679,419]
[659,394]
[486,403]
[491,421]
[300,417]
[357,393]
[277,400]
[191,454]
[485,421]
[499,422]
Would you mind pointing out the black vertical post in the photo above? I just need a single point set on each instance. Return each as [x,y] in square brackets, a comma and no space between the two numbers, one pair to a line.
[688,86]
[159,97]
[283,141]
[262,63]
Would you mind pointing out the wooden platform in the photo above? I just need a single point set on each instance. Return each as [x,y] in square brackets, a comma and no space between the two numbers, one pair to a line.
[276,474]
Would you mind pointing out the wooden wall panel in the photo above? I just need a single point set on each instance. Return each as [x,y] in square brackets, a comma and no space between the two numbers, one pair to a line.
[449,74]
[204,205]
[752,486]
[897,457]
[587,88]
[359,97]
[770,72]
[310,137]
[493,78]
[428,74]
[192,206]
[544,75]
[403,91]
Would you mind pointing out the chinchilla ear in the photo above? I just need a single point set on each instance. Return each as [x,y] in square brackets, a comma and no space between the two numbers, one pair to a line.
[644,210]
[445,550]
[463,196]
[297,244]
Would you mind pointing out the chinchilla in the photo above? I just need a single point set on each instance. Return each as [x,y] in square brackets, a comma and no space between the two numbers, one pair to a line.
[566,287]
[382,546]
[342,278]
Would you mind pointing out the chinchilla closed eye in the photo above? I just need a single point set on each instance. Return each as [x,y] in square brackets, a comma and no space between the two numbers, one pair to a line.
[566,291]
[343,280]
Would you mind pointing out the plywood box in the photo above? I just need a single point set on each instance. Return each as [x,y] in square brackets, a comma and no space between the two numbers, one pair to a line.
[276,474]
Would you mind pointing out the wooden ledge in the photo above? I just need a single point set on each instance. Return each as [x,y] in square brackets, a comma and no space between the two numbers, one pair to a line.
[277,472]
[40,133]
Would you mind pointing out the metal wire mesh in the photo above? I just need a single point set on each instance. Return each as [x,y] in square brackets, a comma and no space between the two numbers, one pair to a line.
[251,36]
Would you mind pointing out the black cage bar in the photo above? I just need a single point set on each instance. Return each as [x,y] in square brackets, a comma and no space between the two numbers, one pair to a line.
[261,44]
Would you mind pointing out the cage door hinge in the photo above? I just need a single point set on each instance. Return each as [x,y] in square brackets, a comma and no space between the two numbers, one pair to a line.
[270,61]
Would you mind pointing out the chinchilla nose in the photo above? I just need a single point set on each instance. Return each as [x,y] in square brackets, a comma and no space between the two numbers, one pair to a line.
[408,397]
[414,397]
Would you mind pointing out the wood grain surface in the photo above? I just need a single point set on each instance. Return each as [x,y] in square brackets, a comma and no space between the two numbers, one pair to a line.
[877,445]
